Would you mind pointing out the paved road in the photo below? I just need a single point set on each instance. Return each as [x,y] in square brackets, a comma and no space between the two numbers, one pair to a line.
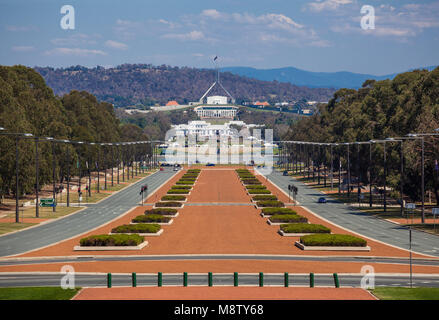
[75,224]
[219,279]
[356,220]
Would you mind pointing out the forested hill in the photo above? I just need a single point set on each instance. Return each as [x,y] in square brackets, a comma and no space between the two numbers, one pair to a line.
[130,84]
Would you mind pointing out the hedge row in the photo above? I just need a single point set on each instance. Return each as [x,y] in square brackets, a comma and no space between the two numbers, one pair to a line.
[255,186]
[187,183]
[162,211]
[112,240]
[273,211]
[288,218]
[304,228]
[264,197]
[137,228]
[270,203]
[181,187]
[151,218]
[168,204]
[252,181]
[332,240]
[173,198]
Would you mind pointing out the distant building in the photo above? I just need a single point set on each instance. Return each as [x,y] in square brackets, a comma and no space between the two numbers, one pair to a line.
[172,103]
[261,104]
[216,100]
[216,112]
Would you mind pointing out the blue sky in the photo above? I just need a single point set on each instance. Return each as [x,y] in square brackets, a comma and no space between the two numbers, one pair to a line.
[317,35]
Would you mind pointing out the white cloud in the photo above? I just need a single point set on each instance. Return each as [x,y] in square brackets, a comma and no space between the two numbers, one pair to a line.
[192,35]
[319,6]
[77,39]
[75,52]
[212,13]
[23,48]
[116,45]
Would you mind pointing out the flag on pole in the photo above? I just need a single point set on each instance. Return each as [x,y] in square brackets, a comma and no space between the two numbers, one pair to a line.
[216,57]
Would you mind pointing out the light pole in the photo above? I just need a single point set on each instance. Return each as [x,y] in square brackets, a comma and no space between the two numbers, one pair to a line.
[17,140]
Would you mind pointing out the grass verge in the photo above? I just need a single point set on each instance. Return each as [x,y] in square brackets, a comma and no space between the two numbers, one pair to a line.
[37,293]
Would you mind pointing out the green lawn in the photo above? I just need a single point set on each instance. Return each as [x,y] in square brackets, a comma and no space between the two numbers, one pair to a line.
[37,293]
[6,227]
[388,293]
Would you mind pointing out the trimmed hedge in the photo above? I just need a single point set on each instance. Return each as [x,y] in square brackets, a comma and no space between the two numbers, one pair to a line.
[168,204]
[242,170]
[288,218]
[189,176]
[137,228]
[256,186]
[252,181]
[107,240]
[162,211]
[264,197]
[181,187]
[261,191]
[173,198]
[304,228]
[274,211]
[178,191]
[194,170]
[332,240]
[151,218]
[270,203]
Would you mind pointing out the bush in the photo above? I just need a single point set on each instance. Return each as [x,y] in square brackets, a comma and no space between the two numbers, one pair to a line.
[137,228]
[273,211]
[151,218]
[256,186]
[112,240]
[178,191]
[194,170]
[288,218]
[242,170]
[332,240]
[256,191]
[264,198]
[162,211]
[173,198]
[304,228]
[270,203]
[189,176]
[168,204]
[246,176]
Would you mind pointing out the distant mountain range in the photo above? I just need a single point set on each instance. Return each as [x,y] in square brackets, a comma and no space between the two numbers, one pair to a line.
[298,77]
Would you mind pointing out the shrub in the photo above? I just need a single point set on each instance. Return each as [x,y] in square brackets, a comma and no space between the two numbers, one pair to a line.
[252,181]
[178,191]
[256,191]
[270,203]
[173,198]
[137,228]
[242,170]
[189,176]
[246,176]
[288,218]
[332,240]
[264,198]
[256,186]
[168,204]
[194,170]
[304,228]
[151,218]
[162,211]
[112,240]
[273,211]
[188,183]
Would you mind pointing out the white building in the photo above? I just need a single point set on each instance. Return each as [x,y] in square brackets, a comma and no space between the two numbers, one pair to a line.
[216,100]
[216,112]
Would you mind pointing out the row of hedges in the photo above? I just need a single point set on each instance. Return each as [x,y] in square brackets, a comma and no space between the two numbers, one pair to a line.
[112,240]
[270,203]
[168,204]
[273,211]
[259,191]
[137,228]
[251,181]
[256,187]
[332,240]
[162,211]
[181,187]
[173,198]
[304,228]
[178,191]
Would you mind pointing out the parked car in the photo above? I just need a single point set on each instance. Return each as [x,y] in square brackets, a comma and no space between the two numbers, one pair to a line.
[285,173]
[210,165]
[322,200]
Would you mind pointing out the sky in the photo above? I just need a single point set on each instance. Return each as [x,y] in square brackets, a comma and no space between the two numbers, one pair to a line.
[316,35]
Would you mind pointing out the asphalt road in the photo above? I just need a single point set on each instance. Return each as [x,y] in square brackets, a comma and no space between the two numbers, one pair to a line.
[91,217]
[357,221]
[219,279]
